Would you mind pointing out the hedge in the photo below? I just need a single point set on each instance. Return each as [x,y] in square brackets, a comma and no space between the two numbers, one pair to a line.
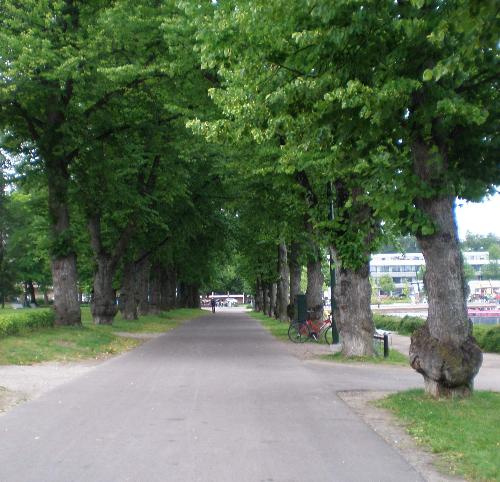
[404,326]
[487,336]
[14,323]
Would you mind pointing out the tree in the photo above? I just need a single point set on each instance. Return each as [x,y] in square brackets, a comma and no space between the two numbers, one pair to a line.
[64,68]
[387,284]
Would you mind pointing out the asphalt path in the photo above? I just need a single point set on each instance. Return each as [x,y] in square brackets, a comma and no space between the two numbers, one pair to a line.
[216,400]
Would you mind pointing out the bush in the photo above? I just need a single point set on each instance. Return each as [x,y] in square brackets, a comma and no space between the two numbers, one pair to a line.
[13,323]
[488,337]
[403,326]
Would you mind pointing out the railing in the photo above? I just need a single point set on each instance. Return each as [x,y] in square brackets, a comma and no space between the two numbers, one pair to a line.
[381,344]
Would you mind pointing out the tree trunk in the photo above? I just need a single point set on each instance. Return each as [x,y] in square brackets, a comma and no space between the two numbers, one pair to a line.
[168,285]
[265,299]
[283,283]
[444,350]
[314,292]
[352,311]
[103,306]
[272,300]
[63,260]
[295,277]
[259,296]
[31,291]
[129,299]
[64,279]
[155,290]
[143,270]
[189,296]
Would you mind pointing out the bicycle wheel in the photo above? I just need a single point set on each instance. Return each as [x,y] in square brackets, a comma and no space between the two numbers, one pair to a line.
[329,336]
[298,332]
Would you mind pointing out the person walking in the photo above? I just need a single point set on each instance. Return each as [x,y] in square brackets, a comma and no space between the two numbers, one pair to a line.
[212,303]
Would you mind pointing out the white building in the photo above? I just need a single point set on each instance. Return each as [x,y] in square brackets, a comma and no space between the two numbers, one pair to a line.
[404,268]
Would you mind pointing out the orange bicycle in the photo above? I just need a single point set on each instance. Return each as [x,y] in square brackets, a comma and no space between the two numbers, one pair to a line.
[299,332]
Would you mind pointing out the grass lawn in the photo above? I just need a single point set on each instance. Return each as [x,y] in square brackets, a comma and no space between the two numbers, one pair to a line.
[394,358]
[465,433]
[88,341]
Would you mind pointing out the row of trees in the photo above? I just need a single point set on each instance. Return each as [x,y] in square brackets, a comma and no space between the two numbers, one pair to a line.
[386,111]
[327,127]
[94,99]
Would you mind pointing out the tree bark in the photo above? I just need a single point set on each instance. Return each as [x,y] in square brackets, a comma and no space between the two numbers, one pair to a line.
[283,283]
[295,277]
[129,296]
[352,311]
[314,292]
[168,285]
[103,306]
[189,295]
[259,296]
[143,270]
[444,350]
[155,290]
[63,260]
[272,300]
[265,299]
[31,291]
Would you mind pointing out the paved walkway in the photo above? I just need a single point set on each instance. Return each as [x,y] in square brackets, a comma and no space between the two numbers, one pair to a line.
[217,399]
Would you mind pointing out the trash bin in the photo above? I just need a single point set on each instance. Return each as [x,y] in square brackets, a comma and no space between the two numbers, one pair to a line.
[300,308]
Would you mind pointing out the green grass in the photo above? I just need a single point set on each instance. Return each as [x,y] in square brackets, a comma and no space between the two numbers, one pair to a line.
[465,433]
[394,358]
[88,341]
[276,327]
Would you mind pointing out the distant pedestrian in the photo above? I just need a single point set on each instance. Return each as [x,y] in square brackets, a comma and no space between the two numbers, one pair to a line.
[212,303]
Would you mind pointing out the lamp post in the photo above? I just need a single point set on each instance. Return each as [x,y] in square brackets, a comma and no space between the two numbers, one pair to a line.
[335,333]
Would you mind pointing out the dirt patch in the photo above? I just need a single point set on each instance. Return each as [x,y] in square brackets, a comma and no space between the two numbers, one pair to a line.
[9,399]
[19,383]
[394,433]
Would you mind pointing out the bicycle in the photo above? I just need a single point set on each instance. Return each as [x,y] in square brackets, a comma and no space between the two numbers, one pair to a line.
[299,332]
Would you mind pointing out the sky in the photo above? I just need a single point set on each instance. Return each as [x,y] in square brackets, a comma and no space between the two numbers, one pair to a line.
[479,218]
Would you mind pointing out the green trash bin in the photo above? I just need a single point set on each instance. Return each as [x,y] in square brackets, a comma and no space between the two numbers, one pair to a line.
[300,308]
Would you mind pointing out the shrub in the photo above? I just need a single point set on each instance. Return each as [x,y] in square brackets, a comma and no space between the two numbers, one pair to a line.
[403,326]
[488,337]
[13,323]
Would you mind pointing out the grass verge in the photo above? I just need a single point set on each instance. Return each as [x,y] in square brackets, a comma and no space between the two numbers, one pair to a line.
[276,327]
[87,341]
[463,432]
[394,358]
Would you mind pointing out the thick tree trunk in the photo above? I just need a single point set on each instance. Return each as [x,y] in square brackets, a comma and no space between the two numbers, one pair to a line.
[63,259]
[352,311]
[283,283]
[64,279]
[129,299]
[314,292]
[295,277]
[444,350]
[272,299]
[103,306]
